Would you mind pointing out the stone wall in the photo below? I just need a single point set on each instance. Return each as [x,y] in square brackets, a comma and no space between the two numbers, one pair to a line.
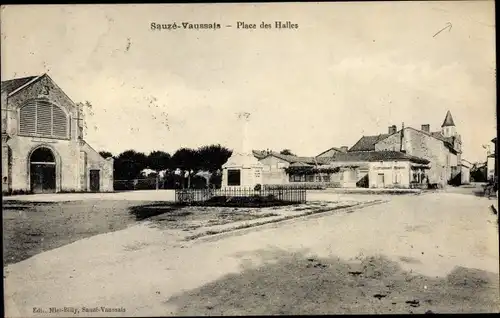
[490,164]
[420,144]
[71,172]
[66,154]
[5,167]
[35,91]
[465,175]
[274,170]
[391,143]
[94,161]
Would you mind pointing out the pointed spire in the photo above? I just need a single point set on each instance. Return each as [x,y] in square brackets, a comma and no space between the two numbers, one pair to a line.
[448,120]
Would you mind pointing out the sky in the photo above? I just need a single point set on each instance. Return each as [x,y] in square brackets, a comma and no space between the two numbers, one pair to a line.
[348,70]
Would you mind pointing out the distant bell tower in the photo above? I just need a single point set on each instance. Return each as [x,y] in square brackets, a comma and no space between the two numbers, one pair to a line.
[448,128]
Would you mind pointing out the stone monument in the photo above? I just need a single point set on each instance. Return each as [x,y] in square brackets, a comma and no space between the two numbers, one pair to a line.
[242,170]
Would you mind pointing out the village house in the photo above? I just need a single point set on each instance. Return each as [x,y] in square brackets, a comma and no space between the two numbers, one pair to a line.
[491,161]
[403,158]
[376,169]
[442,148]
[465,171]
[43,149]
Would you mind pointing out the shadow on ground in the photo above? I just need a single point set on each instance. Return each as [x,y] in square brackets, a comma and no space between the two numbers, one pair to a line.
[30,228]
[297,284]
[23,205]
[142,212]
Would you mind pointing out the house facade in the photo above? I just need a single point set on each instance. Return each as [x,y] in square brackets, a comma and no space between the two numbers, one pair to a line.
[404,158]
[374,169]
[43,149]
[442,148]
[491,162]
[466,167]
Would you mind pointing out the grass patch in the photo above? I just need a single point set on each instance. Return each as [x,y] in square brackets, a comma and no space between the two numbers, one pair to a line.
[284,218]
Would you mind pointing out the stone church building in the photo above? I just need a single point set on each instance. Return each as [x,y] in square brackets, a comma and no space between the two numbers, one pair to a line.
[443,148]
[43,149]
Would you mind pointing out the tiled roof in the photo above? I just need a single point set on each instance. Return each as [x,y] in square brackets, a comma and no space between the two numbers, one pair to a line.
[291,159]
[448,120]
[361,156]
[367,143]
[333,148]
[440,136]
[259,154]
[11,85]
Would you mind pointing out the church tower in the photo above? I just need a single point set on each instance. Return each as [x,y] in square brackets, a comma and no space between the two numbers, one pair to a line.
[448,128]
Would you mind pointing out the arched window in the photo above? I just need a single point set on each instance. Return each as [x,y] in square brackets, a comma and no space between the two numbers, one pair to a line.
[42,118]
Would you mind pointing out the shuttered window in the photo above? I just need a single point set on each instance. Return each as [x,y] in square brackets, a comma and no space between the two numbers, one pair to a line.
[42,118]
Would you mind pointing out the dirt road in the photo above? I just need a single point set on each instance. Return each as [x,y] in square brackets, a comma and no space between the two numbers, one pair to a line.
[435,252]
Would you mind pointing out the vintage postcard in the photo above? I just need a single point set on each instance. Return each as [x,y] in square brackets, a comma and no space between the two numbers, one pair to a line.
[249,159]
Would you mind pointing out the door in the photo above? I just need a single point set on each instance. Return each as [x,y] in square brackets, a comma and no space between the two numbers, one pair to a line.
[380,180]
[95,180]
[42,171]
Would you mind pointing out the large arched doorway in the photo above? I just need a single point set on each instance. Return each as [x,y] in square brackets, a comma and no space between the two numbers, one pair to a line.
[43,171]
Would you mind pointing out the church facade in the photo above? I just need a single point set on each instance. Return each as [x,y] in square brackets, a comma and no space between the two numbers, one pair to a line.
[43,150]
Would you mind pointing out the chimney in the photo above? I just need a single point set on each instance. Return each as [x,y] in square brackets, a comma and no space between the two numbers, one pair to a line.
[426,128]
[392,129]
[344,148]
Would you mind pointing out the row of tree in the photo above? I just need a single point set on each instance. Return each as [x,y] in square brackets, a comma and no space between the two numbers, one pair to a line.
[129,164]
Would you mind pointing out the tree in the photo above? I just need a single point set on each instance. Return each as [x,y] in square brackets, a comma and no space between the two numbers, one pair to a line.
[129,164]
[105,154]
[213,157]
[287,152]
[185,159]
[158,160]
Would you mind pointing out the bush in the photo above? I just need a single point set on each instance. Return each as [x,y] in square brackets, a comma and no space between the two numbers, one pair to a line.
[216,180]
[146,184]
[198,182]
[247,201]
[257,187]
[307,186]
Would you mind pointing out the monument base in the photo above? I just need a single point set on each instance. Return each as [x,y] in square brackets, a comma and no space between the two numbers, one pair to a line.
[242,171]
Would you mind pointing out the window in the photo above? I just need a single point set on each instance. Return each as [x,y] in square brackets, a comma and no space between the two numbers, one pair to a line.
[234,177]
[310,178]
[397,178]
[42,118]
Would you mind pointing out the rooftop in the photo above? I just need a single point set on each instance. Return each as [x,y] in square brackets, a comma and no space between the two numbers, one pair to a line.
[11,85]
[367,143]
[376,156]
[448,120]
[261,154]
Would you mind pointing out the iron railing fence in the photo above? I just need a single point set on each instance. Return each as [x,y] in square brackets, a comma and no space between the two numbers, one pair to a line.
[288,195]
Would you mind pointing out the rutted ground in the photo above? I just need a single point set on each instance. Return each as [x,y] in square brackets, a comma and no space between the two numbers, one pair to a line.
[435,252]
[31,228]
[300,285]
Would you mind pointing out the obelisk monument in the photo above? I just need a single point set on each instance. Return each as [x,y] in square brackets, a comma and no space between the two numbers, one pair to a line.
[242,170]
